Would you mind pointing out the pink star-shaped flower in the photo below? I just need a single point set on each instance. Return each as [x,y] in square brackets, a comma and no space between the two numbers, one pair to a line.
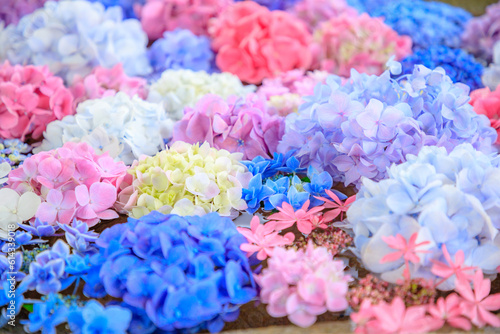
[287,217]
[337,206]
[452,268]
[449,310]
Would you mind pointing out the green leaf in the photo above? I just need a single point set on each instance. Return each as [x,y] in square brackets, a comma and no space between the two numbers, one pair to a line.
[28,307]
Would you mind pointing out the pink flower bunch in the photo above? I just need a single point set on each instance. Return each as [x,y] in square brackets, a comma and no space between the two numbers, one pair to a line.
[284,92]
[313,12]
[30,98]
[303,284]
[236,124]
[471,306]
[158,16]
[103,82]
[306,220]
[73,182]
[360,42]
[263,238]
[487,102]
[254,43]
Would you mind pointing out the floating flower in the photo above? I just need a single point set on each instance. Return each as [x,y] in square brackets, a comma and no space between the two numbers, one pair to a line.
[178,89]
[487,102]
[93,317]
[491,74]
[158,16]
[124,127]
[249,40]
[72,37]
[236,124]
[13,151]
[275,4]
[128,6]
[11,11]
[313,12]
[15,208]
[360,42]
[211,179]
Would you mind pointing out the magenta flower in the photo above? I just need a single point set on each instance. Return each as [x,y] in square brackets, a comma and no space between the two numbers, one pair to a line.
[94,202]
[287,216]
[59,207]
[449,311]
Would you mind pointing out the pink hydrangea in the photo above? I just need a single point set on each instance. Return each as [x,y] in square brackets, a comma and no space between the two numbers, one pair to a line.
[30,98]
[158,16]
[254,43]
[487,102]
[284,92]
[73,182]
[360,42]
[236,124]
[103,82]
[313,12]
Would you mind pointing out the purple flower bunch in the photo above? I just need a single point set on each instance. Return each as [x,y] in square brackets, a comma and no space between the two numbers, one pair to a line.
[361,126]
[481,33]
[187,273]
[236,125]
[11,11]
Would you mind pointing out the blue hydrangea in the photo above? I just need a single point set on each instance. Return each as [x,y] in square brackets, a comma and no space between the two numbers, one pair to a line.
[73,37]
[95,318]
[126,5]
[180,49]
[359,127]
[458,64]
[187,273]
[445,198]
[275,4]
[426,22]
[368,6]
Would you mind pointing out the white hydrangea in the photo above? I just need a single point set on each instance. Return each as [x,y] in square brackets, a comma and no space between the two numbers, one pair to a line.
[178,89]
[123,126]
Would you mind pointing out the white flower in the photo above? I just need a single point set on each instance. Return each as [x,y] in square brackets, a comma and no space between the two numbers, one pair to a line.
[4,172]
[185,207]
[178,89]
[16,209]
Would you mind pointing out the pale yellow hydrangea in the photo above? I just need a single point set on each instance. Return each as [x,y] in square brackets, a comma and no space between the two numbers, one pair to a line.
[187,180]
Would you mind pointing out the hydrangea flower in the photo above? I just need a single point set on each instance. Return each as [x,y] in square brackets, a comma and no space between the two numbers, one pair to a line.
[284,92]
[124,127]
[72,181]
[94,318]
[186,180]
[458,64]
[5,169]
[360,42]
[13,151]
[104,82]
[313,12]
[128,6]
[72,37]
[250,40]
[187,273]
[47,315]
[11,11]
[158,16]
[303,284]
[236,124]
[180,49]
[30,98]
[178,89]
[449,204]
[491,74]
[275,4]
[426,22]
[487,102]
[360,127]
[15,208]
[481,33]
[39,228]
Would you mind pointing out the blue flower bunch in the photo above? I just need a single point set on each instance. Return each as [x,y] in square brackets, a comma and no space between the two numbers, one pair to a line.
[281,179]
[359,128]
[180,49]
[275,4]
[185,273]
[368,6]
[14,151]
[126,5]
[449,200]
[426,22]
[72,37]
[458,64]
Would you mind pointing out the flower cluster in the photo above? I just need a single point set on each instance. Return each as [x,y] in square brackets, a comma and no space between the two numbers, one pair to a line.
[491,75]
[275,4]
[11,11]
[128,6]
[187,273]
[123,127]
[458,64]
[426,22]
[158,16]
[360,42]
[236,124]
[103,82]
[72,181]
[481,33]
[361,126]
[178,89]
[72,37]
[487,102]
[186,180]
[15,208]
[447,210]
[313,12]
[180,49]
[30,98]
[250,40]
[13,151]
[303,284]
[284,92]
[367,6]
